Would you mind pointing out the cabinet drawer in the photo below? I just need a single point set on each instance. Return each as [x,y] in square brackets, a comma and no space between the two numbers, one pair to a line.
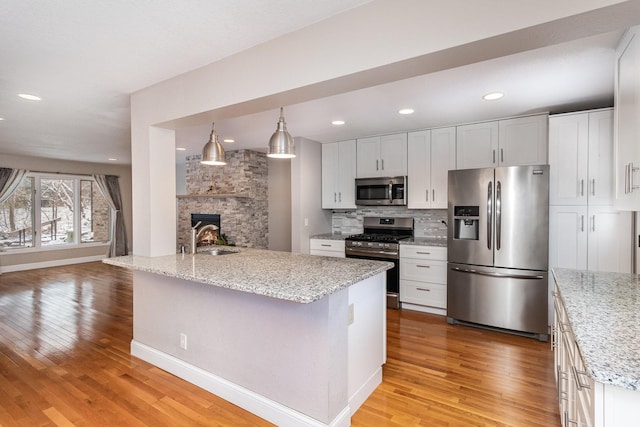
[423,252]
[431,294]
[327,245]
[431,271]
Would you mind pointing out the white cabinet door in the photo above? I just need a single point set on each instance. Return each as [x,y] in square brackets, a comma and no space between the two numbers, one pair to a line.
[568,237]
[393,155]
[419,170]
[627,122]
[347,174]
[610,240]
[568,158]
[330,175]
[477,145]
[338,175]
[601,175]
[368,157]
[443,159]
[523,141]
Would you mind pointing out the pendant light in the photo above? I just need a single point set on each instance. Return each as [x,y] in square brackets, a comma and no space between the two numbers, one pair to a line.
[281,144]
[213,153]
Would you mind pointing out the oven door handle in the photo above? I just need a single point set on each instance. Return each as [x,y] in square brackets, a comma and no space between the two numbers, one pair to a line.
[371,254]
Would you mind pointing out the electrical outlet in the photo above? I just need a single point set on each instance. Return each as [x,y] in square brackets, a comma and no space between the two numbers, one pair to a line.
[350,314]
[183,341]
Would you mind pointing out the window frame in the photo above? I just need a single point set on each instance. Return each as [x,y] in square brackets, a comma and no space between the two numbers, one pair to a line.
[36,215]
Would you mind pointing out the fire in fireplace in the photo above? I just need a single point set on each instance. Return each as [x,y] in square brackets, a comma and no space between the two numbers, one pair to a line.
[208,232]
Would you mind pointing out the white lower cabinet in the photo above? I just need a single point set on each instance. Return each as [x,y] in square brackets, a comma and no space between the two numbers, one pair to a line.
[423,278]
[327,247]
[584,402]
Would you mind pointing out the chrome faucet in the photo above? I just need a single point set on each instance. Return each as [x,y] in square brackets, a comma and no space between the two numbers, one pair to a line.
[195,235]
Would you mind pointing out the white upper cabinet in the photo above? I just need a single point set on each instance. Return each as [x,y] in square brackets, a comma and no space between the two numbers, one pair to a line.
[338,175]
[581,158]
[509,142]
[523,141]
[627,122]
[431,154]
[477,145]
[382,156]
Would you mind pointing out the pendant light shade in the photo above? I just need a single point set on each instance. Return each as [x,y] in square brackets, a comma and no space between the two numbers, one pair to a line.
[213,153]
[281,144]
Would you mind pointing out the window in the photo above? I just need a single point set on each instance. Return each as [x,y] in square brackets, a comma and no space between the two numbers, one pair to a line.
[65,210]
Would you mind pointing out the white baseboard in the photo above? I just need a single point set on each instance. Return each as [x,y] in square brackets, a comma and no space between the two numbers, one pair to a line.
[365,391]
[53,263]
[257,404]
[424,309]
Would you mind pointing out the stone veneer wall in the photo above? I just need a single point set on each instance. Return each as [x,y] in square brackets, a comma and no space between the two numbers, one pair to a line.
[238,191]
[427,223]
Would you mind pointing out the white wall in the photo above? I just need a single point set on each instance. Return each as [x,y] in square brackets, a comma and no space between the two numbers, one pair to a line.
[307,216]
[279,204]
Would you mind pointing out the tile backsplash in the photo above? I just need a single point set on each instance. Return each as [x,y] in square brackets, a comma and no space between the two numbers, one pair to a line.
[427,223]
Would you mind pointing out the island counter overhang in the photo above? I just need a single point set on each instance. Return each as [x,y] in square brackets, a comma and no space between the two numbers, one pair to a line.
[295,339]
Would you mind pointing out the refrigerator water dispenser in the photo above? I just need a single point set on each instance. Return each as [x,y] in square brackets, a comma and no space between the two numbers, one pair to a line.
[466,220]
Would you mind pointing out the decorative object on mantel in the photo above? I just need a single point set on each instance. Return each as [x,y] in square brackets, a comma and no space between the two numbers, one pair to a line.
[213,153]
[281,145]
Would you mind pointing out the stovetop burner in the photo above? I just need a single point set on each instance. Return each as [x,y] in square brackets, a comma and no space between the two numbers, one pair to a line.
[377,237]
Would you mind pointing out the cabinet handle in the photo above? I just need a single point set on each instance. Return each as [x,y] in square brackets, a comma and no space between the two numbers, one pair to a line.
[335,198]
[593,223]
[582,223]
[382,162]
[564,327]
[567,421]
[433,195]
[377,164]
[494,157]
[593,187]
[632,169]
[427,194]
[627,178]
[325,245]
[423,253]
[582,187]
[423,266]
[576,377]
[502,155]
[424,289]
[340,196]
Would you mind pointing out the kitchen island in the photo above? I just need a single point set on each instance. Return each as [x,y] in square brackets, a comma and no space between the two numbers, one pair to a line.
[293,338]
[597,347]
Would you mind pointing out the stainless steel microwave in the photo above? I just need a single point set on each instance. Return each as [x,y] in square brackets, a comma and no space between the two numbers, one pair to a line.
[382,191]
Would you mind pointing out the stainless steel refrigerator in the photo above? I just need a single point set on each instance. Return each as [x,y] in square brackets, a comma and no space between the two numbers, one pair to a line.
[498,244]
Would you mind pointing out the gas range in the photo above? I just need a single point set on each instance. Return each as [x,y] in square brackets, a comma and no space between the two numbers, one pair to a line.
[380,238]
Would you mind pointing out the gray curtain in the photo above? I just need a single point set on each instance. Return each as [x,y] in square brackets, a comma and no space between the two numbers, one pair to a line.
[109,186]
[9,181]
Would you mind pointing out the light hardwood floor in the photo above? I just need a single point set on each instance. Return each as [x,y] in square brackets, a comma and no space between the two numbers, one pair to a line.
[64,360]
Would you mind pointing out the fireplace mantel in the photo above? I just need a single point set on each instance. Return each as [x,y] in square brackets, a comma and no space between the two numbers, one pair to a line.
[213,196]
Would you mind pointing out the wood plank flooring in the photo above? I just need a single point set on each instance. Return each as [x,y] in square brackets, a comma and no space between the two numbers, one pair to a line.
[64,361]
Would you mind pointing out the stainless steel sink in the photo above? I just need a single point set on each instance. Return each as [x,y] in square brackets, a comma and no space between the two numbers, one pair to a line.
[218,252]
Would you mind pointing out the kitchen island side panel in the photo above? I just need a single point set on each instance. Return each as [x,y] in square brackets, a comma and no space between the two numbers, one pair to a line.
[294,354]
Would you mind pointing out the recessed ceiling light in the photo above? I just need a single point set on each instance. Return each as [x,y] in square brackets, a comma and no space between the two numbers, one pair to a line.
[112,159]
[29,97]
[181,149]
[493,96]
[228,140]
[337,122]
[406,111]
[1,118]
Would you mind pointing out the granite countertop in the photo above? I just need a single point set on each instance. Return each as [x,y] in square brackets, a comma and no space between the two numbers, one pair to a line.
[330,236]
[283,275]
[426,241]
[604,315]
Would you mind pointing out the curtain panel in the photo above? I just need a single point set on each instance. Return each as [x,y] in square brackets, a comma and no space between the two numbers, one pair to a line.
[9,181]
[109,186]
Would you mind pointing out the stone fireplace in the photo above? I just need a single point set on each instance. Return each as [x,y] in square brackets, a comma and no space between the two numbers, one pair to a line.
[237,192]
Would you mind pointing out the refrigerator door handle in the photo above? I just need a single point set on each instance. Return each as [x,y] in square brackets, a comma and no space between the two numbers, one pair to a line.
[498,213]
[489,213]
[501,275]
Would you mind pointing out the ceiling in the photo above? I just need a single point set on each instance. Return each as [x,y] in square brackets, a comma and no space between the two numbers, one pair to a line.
[84,58]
